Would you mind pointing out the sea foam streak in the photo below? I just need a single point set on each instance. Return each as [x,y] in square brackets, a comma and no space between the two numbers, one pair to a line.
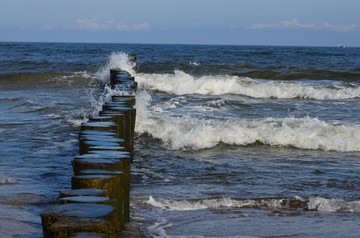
[333,205]
[181,83]
[7,181]
[188,205]
[187,132]
[313,203]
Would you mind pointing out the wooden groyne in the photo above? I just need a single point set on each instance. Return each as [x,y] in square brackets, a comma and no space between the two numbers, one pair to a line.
[98,203]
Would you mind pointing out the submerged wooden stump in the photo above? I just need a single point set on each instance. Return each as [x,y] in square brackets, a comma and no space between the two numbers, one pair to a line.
[123,79]
[88,199]
[101,119]
[99,126]
[129,99]
[130,112]
[85,141]
[89,235]
[107,160]
[124,166]
[83,192]
[106,148]
[111,139]
[128,122]
[118,76]
[67,219]
[113,183]
[126,199]
[96,133]
[121,120]
[95,161]
[85,145]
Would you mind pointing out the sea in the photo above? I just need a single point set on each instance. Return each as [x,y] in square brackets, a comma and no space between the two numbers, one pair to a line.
[231,141]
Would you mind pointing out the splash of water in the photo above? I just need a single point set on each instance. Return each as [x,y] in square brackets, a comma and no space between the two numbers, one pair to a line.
[117,60]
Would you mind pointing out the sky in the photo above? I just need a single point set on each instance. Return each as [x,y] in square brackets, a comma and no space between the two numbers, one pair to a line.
[235,22]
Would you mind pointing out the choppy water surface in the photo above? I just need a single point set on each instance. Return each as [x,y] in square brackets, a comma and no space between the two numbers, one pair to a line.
[232,141]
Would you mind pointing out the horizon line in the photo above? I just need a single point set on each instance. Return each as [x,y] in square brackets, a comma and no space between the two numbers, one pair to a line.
[204,44]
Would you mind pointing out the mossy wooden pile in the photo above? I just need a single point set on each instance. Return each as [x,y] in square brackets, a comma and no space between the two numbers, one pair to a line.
[97,205]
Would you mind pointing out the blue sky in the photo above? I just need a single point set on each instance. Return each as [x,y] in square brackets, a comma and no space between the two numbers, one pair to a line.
[239,22]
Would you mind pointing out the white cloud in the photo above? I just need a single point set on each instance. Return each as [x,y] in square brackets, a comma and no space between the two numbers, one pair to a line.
[94,24]
[89,24]
[49,26]
[292,24]
[297,24]
[141,26]
[339,27]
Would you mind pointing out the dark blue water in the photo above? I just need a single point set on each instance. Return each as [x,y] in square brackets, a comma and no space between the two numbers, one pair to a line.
[232,141]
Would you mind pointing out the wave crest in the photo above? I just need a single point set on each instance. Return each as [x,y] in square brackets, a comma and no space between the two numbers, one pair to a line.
[181,83]
[319,204]
[187,132]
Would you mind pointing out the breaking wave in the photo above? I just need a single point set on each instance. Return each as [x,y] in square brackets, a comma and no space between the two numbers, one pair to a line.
[181,83]
[319,204]
[187,132]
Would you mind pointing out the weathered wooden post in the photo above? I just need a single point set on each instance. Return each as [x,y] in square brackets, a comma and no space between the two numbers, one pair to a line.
[112,182]
[83,192]
[107,160]
[67,219]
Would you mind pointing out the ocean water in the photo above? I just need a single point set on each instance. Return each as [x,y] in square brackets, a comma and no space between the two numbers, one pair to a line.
[231,141]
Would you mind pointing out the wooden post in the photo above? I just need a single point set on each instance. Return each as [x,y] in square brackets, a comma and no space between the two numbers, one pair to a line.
[67,219]
[113,183]
[83,192]
[107,160]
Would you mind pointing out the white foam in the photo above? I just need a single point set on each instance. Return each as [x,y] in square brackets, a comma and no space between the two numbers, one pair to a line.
[333,205]
[84,74]
[181,83]
[187,132]
[157,230]
[97,101]
[194,63]
[69,78]
[6,181]
[319,204]
[197,236]
[117,60]
[190,205]
[77,122]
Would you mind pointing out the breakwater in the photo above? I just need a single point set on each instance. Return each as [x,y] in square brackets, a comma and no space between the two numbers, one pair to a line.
[98,203]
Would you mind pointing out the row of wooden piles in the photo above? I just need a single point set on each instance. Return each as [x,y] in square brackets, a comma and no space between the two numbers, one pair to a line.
[97,205]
